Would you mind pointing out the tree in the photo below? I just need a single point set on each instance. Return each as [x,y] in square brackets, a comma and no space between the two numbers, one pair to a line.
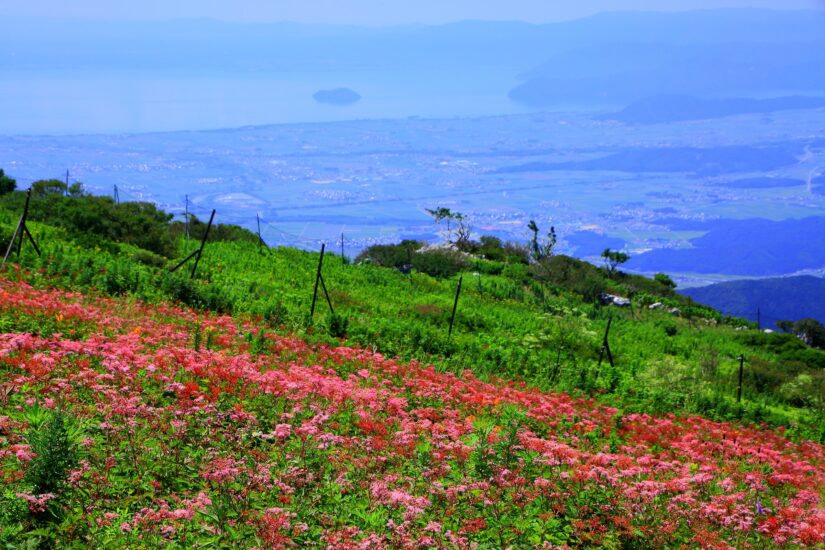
[538,250]
[463,231]
[440,214]
[76,190]
[613,259]
[665,280]
[785,325]
[7,184]
[811,332]
[43,188]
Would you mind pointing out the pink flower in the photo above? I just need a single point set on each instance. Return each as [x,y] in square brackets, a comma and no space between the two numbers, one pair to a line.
[37,503]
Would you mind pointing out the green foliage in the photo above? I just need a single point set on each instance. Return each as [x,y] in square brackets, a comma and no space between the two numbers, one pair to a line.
[811,332]
[7,184]
[613,259]
[665,280]
[539,322]
[390,255]
[44,188]
[218,232]
[337,325]
[55,454]
[178,286]
[439,263]
[541,250]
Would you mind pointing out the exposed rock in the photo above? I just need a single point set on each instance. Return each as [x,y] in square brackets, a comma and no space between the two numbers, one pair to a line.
[610,299]
[675,311]
[657,305]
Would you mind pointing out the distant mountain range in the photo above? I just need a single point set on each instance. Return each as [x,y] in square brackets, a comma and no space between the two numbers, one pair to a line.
[791,298]
[581,77]
[677,108]
[751,247]
[611,58]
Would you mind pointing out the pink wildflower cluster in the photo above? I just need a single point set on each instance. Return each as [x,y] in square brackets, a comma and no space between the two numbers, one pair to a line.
[305,443]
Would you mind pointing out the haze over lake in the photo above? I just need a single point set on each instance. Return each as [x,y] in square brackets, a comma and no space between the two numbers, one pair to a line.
[63,103]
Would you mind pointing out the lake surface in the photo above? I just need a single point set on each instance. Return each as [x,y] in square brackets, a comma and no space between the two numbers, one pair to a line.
[124,102]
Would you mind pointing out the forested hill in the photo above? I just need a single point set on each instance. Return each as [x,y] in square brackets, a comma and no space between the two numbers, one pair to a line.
[786,298]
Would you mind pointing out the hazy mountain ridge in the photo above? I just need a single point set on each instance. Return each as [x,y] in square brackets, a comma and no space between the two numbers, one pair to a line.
[753,247]
[786,298]
[29,43]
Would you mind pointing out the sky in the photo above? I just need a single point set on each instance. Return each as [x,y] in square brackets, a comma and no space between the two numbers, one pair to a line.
[368,12]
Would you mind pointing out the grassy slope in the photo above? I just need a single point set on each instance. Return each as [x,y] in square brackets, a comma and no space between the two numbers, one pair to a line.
[505,326]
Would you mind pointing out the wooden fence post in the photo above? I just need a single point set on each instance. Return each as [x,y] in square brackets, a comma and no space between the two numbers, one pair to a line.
[197,253]
[21,231]
[606,345]
[741,373]
[455,305]
[317,280]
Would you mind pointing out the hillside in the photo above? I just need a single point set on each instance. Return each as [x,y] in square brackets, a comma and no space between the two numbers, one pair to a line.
[182,424]
[752,247]
[787,298]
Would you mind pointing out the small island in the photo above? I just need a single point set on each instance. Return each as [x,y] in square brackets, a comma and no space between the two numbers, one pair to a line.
[341,97]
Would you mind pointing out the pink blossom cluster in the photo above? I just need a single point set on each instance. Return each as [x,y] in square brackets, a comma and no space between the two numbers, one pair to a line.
[305,442]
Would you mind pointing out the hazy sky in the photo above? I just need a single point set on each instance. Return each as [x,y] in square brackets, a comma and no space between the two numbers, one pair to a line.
[369,12]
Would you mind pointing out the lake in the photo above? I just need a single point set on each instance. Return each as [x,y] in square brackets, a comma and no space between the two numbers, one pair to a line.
[126,102]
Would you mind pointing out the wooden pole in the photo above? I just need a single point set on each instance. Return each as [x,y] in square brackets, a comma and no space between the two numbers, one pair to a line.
[324,287]
[455,305]
[317,280]
[606,345]
[31,239]
[11,243]
[183,261]
[741,372]
[260,239]
[186,216]
[203,243]
[20,231]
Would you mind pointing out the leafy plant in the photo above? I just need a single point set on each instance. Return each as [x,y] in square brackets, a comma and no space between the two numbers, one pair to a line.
[55,453]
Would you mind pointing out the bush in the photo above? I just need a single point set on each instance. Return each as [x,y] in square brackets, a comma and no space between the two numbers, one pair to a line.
[337,325]
[7,184]
[390,255]
[439,263]
[183,289]
[517,272]
[151,259]
[664,280]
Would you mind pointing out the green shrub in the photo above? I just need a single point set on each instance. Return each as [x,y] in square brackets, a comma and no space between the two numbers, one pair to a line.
[441,264]
[337,325]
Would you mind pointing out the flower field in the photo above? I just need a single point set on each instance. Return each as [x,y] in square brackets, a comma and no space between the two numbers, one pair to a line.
[129,425]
